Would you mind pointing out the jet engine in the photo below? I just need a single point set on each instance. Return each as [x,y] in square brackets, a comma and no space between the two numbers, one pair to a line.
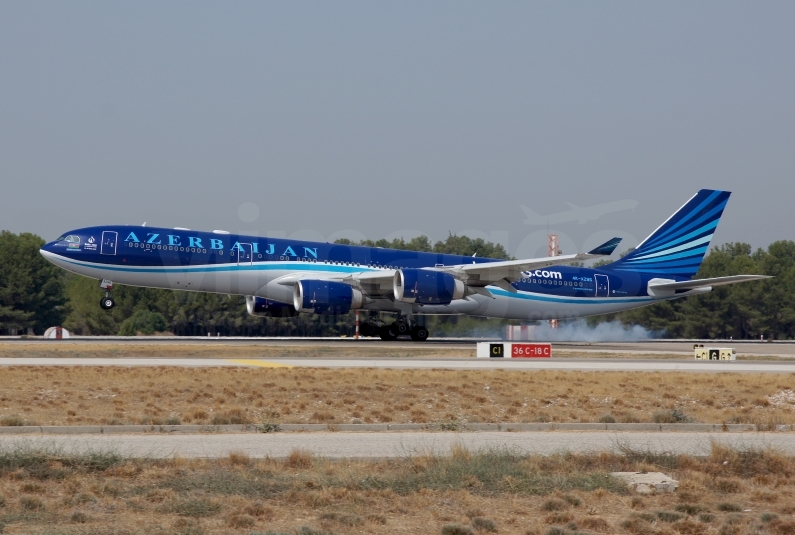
[326,297]
[427,287]
[259,306]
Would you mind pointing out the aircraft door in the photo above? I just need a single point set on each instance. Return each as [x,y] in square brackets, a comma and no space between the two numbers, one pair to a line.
[602,285]
[245,254]
[109,238]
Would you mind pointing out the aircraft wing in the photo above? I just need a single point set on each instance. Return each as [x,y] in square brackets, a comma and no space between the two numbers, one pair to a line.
[501,274]
[293,278]
[672,286]
[379,284]
[372,283]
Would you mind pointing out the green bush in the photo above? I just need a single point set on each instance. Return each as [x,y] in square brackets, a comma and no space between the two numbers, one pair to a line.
[79,517]
[691,509]
[675,416]
[669,516]
[196,508]
[144,322]
[483,524]
[31,503]
[11,420]
[768,517]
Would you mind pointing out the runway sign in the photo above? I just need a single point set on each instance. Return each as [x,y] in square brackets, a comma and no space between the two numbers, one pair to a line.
[513,350]
[715,353]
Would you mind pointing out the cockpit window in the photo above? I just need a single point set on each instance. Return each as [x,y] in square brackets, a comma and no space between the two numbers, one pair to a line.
[72,239]
[61,238]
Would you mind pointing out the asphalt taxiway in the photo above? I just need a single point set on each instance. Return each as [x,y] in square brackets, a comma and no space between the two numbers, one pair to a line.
[567,364]
[340,445]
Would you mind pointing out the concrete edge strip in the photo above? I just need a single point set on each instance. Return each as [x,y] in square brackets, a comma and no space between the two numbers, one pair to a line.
[437,427]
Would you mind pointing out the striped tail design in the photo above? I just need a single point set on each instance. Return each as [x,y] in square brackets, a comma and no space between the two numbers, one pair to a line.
[678,246]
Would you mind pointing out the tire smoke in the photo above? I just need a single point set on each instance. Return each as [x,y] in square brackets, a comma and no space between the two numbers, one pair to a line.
[580,331]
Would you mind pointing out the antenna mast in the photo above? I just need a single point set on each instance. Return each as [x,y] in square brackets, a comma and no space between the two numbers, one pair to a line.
[552,250]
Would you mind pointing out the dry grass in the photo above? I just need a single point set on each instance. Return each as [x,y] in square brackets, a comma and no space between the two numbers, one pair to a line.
[167,395]
[467,492]
[224,350]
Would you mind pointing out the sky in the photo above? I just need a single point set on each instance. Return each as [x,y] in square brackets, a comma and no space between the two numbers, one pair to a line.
[320,120]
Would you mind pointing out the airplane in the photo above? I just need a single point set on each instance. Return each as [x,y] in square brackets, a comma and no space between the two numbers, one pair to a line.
[283,277]
[578,213]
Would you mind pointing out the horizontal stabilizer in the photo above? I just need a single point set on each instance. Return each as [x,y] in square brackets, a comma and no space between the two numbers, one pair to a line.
[667,287]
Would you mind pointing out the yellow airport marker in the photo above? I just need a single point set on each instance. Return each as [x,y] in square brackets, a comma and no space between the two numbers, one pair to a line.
[259,363]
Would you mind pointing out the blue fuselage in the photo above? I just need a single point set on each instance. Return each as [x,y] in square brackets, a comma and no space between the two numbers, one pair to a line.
[250,265]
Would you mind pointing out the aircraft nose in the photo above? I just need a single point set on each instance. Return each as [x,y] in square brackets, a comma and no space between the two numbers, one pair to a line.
[47,249]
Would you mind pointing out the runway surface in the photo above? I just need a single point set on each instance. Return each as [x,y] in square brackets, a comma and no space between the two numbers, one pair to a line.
[395,444]
[781,349]
[569,364]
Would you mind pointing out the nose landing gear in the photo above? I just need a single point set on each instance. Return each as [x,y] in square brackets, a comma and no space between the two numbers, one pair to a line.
[107,302]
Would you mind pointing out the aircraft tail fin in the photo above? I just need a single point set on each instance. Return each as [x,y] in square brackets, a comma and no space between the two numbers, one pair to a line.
[678,246]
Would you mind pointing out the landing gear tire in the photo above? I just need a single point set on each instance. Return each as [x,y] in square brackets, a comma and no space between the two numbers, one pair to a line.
[107,303]
[387,333]
[368,329]
[401,328]
[419,333]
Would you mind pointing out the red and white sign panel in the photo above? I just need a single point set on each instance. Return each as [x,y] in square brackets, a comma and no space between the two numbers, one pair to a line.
[523,351]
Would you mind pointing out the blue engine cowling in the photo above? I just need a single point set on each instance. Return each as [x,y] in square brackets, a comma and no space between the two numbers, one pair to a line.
[326,297]
[259,306]
[427,287]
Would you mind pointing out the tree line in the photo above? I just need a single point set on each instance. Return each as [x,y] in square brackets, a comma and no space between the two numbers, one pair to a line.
[35,295]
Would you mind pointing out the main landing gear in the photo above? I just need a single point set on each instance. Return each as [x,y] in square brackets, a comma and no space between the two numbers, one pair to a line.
[402,326]
[107,302]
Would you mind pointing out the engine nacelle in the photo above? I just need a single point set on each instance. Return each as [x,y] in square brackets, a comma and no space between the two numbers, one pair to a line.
[259,306]
[427,287]
[326,297]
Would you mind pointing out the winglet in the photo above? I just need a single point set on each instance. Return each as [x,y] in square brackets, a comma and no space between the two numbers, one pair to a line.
[606,248]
